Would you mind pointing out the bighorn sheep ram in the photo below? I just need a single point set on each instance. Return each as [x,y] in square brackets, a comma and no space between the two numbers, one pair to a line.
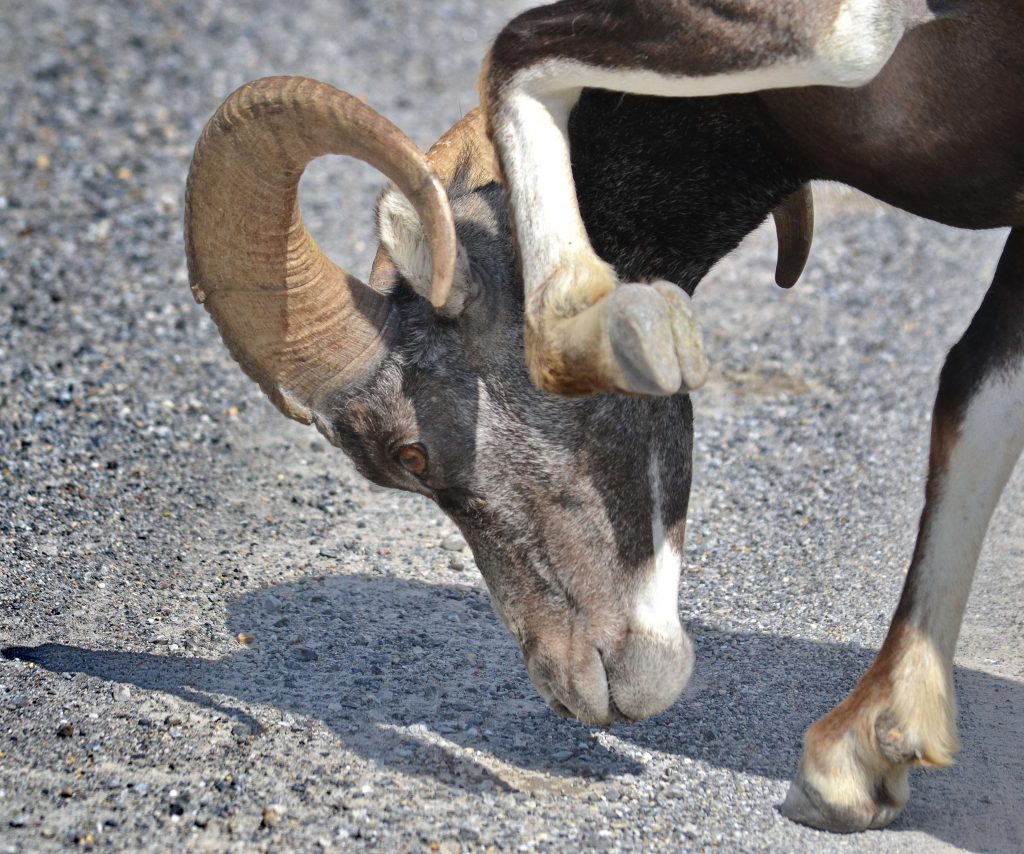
[575,509]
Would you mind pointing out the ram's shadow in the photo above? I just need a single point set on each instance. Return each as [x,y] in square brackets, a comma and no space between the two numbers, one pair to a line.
[405,672]
[408,672]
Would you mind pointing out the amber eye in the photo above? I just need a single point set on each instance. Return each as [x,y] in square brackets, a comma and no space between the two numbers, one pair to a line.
[413,459]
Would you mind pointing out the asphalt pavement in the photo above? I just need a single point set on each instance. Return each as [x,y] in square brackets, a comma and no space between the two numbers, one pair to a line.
[234,643]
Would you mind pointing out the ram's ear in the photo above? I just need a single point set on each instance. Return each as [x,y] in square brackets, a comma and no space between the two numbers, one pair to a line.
[402,235]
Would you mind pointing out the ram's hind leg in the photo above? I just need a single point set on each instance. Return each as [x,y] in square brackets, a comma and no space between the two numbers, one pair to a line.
[853,773]
[578,337]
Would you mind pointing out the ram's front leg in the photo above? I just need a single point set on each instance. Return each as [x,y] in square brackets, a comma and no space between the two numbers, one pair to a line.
[853,773]
[584,331]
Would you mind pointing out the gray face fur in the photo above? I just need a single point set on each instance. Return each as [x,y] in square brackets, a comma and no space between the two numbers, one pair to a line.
[574,509]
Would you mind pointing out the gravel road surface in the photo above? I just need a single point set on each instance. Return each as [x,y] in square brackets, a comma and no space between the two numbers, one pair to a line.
[239,645]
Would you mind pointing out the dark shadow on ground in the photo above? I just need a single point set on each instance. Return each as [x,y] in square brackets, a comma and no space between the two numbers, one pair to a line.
[393,653]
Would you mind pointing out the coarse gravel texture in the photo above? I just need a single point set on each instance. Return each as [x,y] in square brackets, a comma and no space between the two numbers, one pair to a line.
[247,647]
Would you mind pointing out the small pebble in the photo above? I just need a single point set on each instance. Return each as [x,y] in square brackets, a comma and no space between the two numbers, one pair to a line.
[122,693]
[65,730]
[454,543]
[244,638]
[273,815]
[304,653]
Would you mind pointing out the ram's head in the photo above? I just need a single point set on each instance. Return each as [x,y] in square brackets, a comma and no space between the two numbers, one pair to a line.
[574,509]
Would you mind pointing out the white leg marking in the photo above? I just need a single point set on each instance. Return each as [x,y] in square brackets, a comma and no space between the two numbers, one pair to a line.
[656,608]
[533,137]
[990,441]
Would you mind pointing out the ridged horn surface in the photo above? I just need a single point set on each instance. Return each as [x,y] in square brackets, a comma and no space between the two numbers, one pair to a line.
[794,228]
[465,145]
[298,324]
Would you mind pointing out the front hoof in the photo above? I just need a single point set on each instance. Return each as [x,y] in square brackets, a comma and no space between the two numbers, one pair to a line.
[851,777]
[655,341]
[804,804]
[640,339]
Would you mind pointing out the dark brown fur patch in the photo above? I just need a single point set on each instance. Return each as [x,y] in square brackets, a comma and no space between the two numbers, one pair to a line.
[938,132]
[694,38]
[949,95]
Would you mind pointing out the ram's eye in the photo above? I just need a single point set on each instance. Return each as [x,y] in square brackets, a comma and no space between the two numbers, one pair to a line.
[413,459]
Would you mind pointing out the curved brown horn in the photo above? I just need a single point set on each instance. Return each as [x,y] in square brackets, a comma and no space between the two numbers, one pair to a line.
[297,324]
[794,226]
[466,145]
